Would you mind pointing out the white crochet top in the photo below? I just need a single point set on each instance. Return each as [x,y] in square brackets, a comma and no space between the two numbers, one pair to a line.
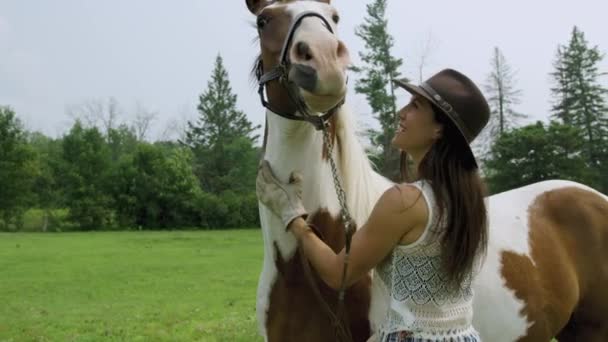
[419,300]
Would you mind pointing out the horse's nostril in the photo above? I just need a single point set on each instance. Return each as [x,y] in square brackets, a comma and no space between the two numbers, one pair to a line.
[303,51]
[342,50]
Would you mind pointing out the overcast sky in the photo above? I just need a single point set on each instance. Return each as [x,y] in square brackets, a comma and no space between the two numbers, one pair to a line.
[160,54]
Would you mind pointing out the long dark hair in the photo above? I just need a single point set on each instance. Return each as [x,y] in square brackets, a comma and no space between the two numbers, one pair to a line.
[454,177]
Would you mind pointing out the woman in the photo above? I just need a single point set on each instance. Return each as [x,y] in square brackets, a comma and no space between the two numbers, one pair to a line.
[423,238]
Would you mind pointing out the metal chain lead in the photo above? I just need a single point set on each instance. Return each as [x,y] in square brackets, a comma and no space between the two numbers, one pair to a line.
[346,217]
[342,331]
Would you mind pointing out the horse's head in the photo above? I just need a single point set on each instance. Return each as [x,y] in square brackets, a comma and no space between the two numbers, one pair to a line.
[302,60]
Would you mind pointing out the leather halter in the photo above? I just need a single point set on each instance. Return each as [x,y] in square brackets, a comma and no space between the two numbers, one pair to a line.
[281,72]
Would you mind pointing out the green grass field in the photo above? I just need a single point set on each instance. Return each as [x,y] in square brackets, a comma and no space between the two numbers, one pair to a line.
[129,286]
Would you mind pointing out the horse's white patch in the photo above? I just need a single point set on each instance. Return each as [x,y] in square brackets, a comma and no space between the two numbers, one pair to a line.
[496,310]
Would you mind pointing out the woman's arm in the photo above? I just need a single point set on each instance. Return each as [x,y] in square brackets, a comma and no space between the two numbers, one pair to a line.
[397,212]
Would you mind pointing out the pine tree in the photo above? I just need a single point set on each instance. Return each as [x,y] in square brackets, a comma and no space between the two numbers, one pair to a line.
[220,128]
[563,94]
[220,121]
[580,100]
[380,67]
[502,93]
[502,96]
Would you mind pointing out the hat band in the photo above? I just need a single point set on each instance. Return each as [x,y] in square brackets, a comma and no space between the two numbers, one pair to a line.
[446,107]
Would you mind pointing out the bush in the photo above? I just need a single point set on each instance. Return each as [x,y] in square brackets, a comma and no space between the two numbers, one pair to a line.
[228,210]
[536,153]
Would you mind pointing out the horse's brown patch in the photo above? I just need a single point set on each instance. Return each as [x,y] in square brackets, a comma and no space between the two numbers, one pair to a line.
[294,312]
[255,6]
[561,281]
[272,38]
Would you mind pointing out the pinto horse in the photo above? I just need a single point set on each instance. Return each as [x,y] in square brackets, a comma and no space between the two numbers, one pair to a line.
[546,270]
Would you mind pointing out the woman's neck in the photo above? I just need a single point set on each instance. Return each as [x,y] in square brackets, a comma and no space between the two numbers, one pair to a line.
[418,156]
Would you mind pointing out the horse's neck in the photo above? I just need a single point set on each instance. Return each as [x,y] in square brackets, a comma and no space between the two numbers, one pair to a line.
[297,146]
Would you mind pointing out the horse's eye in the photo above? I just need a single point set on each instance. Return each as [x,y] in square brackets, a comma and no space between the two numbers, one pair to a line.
[336,18]
[261,22]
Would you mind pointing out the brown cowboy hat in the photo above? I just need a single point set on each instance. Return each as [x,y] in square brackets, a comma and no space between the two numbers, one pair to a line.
[458,97]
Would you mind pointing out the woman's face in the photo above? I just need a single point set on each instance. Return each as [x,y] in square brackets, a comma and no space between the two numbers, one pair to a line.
[417,130]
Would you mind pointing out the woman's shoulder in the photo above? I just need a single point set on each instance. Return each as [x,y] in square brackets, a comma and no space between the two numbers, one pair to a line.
[402,198]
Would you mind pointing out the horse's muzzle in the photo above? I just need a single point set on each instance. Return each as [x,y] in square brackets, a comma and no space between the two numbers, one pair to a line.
[304,77]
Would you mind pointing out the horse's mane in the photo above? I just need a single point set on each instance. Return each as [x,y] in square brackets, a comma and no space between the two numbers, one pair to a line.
[362,184]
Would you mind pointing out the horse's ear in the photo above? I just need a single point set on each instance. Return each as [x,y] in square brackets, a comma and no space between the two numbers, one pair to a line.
[255,6]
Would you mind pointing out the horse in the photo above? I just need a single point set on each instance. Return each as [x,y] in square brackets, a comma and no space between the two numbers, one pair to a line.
[545,270]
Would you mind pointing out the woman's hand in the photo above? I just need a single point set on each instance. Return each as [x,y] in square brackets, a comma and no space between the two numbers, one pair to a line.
[285,200]
[299,227]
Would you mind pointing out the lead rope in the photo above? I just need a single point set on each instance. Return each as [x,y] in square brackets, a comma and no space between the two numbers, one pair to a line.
[349,228]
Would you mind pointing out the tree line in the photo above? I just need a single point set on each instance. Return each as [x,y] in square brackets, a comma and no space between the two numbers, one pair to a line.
[101,175]
[104,175]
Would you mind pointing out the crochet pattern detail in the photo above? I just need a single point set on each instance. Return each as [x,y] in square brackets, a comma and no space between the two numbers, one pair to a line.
[419,278]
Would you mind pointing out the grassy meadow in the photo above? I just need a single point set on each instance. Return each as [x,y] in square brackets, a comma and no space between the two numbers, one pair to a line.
[129,286]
